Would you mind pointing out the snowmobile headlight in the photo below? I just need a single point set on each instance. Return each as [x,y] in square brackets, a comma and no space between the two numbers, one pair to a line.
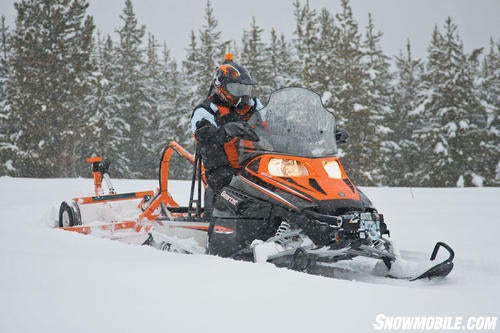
[281,167]
[332,168]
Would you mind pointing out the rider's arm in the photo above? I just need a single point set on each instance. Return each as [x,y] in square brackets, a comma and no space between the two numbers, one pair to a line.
[205,129]
[201,117]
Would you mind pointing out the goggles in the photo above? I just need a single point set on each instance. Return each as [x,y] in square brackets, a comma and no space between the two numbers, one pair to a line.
[239,89]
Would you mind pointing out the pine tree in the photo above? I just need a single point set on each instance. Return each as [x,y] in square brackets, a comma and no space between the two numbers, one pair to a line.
[108,129]
[348,81]
[488,90]
[157,83]
[131,90]
[205,52]
[306,40]
[378,124]
[273,55]
[401,149]
[155,90]
[196,88]
[175,120]
[323,69]
[448,141]
[283,69]
[211,50]
[4,57]
[6,154]
[51,69]
[255,60]
[349,95]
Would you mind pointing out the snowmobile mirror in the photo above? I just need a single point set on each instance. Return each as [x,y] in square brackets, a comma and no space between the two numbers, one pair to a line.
[341,135]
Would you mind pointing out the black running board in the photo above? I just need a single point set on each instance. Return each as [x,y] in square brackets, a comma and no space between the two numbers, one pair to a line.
[442,269]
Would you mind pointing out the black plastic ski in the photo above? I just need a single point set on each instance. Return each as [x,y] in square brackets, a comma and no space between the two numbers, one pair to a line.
[442,269]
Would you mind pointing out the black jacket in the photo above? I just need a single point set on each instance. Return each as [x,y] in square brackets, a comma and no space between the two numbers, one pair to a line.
[218,150]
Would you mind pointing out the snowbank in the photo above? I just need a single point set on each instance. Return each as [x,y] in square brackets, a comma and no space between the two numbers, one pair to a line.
[57,281]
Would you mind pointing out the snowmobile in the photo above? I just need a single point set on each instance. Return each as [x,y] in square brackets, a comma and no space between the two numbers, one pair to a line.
[292,204]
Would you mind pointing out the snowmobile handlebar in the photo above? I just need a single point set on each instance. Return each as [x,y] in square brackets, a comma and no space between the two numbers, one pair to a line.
[341,136]
[241,130]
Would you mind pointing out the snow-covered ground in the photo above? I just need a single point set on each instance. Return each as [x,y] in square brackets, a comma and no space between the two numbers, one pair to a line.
[57,281]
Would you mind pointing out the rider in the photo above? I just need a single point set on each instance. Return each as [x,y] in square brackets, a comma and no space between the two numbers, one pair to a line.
[220,121]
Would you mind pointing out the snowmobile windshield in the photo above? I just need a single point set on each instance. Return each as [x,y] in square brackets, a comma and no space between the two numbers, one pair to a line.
[294,122]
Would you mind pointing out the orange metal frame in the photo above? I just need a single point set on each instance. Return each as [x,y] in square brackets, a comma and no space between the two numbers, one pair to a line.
[150,213]
[164,196]
[97,175]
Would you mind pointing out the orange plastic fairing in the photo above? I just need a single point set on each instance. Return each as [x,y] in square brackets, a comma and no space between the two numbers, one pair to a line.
[314,178]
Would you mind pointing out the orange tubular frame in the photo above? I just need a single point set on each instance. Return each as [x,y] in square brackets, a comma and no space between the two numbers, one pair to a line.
[97,175]
[163,195]
[150,213]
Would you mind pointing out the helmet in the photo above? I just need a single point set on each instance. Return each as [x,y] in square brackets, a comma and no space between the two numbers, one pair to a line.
[232,82]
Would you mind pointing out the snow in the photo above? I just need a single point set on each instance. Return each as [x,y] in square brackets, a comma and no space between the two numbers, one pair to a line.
[451,128]
[327,96]
[463,124]
[440,149]
[384,129]
[476,180]
[58,281]
[358,107]
[461,181]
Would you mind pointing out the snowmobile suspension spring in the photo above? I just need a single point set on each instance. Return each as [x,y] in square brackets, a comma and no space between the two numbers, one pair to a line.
[282,231]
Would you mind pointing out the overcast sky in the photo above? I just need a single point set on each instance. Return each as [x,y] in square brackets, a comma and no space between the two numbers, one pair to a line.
[172,20]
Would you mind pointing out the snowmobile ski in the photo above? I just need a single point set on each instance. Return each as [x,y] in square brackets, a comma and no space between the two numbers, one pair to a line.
[439,270]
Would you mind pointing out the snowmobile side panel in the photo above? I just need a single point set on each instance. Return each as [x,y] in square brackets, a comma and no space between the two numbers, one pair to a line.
[234,229]
[233,235]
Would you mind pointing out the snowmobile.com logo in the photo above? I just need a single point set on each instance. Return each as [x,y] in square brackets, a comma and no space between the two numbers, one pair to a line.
[400,323]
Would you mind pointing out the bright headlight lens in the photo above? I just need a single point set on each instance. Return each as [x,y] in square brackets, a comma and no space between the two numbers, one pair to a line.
[332,168]
[281,167]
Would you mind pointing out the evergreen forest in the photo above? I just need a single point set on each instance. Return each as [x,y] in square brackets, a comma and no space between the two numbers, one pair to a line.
[68,92]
